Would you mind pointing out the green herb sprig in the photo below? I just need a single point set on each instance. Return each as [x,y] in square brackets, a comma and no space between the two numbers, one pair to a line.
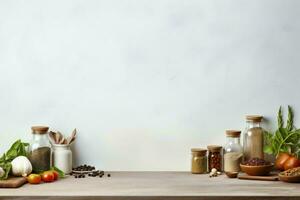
[285,139]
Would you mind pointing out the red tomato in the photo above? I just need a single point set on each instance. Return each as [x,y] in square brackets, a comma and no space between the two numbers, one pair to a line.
[280,160]
[48,176]
[55,173]
[292,162]
[34,179]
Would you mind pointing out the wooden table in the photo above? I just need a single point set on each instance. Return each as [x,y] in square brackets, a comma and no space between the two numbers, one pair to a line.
[155,185]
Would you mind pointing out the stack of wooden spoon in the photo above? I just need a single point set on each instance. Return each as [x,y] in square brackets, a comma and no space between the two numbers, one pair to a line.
[58,138]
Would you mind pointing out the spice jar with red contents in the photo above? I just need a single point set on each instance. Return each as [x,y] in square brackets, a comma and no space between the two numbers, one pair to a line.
[215,157]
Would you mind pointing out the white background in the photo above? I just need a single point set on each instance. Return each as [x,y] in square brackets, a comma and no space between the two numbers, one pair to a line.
[144,81]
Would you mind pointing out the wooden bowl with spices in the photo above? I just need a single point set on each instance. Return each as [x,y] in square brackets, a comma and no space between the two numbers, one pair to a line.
[289,179]
[257,167]
[290,176]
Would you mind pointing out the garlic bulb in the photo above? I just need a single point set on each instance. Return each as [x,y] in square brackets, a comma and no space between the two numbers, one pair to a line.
[21,166]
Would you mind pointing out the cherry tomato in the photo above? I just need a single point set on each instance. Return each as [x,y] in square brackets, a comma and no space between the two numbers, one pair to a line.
[48,176]
[292,162]
[55,173]
[34,179]
[280,160]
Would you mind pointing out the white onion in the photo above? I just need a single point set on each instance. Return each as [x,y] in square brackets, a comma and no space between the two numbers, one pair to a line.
[21,166]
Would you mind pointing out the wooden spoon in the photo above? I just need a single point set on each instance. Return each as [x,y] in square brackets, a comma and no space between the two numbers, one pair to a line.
[62,141]
[72,137]
[59,137]
[52,137]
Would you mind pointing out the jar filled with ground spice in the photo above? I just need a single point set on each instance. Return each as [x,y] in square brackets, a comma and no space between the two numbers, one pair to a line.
[199,161]
[215,157]
[39,149]
[233,151]
[253,138]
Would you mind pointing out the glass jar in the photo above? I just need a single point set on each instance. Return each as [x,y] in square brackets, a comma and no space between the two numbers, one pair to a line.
[39,149]
[253,138]
[199,161]
[233,151]
[215,157]
[62,157]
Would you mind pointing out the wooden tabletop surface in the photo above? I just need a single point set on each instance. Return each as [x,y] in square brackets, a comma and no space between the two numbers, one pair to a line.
[155,185]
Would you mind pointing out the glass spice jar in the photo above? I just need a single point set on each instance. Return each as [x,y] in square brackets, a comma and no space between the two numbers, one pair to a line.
[199,161]
[233,151]
[253,142]
[214,157]
[40,149]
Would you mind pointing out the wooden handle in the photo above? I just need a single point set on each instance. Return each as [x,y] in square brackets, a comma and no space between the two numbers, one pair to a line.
[260,178]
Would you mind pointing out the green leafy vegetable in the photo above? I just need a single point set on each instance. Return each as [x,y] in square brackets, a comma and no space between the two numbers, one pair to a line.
[279,118]
[290,122]
[284,139]
[61,174]
[6,167]
[18,148]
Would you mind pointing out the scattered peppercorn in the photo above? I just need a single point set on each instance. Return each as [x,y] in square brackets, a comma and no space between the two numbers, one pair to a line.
[82,171]
[84,168]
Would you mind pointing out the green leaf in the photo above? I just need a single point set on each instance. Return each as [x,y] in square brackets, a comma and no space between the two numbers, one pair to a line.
[13,151]
[279,118]
[2,159]
[289,125]
[61,174]
[268,149]
[6,167]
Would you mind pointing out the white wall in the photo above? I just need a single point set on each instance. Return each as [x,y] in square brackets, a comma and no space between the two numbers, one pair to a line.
[144,81]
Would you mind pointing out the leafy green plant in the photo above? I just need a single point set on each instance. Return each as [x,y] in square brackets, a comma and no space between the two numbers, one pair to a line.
[61,174]
[18,148]
[285,139]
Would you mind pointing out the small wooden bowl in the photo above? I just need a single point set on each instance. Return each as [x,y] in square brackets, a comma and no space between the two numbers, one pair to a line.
[262,170]
[232,174]
[289,179]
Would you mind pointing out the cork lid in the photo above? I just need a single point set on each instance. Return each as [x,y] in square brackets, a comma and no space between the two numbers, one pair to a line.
[233,133]
[214,148]
[200,150]
[254,118]
[39,129]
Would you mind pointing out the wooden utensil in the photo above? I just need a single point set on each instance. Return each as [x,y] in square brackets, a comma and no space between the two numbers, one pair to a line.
[52,136]
[59,137]
[232,174]
[13,182]
[62,141]
[72,137]
[260,178]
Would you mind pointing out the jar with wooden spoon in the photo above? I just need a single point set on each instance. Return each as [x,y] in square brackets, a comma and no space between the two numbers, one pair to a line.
[62,154]
[62,157]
